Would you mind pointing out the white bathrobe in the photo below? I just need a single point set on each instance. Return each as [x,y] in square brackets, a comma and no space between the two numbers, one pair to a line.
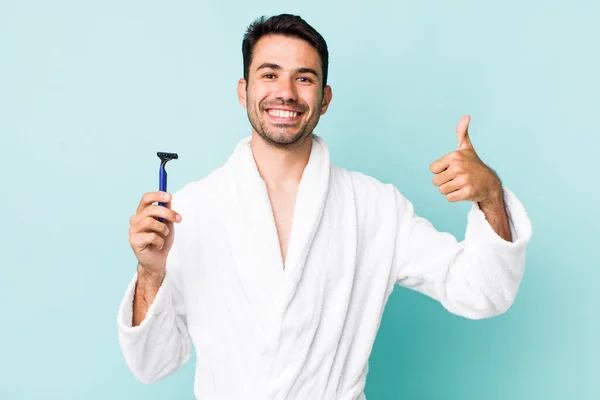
[305,330]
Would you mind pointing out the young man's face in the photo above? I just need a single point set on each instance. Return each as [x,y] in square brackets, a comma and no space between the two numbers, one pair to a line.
[284,93]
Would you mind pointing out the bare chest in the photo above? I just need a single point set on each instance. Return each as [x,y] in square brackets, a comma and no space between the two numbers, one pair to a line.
[283,204]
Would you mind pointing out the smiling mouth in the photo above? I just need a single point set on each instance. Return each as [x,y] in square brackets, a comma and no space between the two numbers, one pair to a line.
[279,115]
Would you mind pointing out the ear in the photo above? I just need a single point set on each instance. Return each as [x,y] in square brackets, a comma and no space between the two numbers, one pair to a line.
[327,94]
[241,89]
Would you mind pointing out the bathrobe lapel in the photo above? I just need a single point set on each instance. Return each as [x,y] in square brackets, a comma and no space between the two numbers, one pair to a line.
[267,285]
[310,203]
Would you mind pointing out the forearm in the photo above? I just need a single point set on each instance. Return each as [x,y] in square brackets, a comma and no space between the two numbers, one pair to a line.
[495,214]
[161,344]
[476,278]
[145,292]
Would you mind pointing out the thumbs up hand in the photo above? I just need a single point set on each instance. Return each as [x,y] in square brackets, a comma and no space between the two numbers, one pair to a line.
[462,176]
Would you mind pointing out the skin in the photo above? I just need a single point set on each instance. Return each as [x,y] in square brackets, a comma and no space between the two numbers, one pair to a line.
[462,176]
[276,81]
[285,74]
[151,242]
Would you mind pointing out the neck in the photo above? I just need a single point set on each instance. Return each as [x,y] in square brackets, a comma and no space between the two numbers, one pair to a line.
[281,169]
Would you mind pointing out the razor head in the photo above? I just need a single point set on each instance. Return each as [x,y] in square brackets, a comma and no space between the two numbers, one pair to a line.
[165,157]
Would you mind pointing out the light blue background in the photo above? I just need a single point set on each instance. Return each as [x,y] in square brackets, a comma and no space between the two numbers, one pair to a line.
[89,91]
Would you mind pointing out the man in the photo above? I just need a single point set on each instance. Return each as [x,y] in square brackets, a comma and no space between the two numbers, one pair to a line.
[278,265]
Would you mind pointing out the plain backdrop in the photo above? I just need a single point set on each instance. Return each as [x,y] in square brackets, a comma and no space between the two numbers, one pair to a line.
[91,90]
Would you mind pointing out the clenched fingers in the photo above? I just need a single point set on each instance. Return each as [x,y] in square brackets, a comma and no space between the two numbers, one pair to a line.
[156,211]
[154,197]
[464,193]
[150,224]
[143,240]
[451,186]
[444,162]
[445,176]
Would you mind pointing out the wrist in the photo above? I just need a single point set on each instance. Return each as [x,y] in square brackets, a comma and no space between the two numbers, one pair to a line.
[494,204]
[494,201]
[151,277]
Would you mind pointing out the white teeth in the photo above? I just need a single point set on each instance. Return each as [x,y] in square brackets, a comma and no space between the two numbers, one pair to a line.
[283,114]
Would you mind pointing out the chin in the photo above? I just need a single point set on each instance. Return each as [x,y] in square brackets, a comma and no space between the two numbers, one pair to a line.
[284,140]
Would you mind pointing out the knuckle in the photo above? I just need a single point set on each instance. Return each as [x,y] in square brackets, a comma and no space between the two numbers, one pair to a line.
[157,226]
[151,222]
[134,241]
[158,211]
[143,223]
[150,210]
[152,197]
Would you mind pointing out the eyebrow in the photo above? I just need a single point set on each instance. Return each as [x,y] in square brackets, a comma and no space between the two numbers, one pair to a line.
[277,67]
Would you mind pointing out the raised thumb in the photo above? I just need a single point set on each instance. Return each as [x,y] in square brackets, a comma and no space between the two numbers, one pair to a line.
[462,133]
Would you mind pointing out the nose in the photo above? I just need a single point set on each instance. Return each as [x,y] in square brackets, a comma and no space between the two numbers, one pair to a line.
[286,90]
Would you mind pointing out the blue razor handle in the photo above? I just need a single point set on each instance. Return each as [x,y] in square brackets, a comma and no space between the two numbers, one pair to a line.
[162,181]
[162,173]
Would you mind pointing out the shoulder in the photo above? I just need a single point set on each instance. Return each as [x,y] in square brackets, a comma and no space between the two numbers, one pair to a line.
[373,198]
[365,186]
[198,193]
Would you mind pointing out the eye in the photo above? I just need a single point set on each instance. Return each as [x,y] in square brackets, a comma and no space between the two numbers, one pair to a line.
[304,79]
[269,76]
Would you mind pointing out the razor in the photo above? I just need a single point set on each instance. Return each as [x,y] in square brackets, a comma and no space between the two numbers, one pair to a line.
[162,173]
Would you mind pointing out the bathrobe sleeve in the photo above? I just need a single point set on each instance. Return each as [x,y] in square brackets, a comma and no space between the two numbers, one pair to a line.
[476,278]
[160,344]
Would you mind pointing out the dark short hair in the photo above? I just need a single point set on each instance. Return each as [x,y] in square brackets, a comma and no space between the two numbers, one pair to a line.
[287,25]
